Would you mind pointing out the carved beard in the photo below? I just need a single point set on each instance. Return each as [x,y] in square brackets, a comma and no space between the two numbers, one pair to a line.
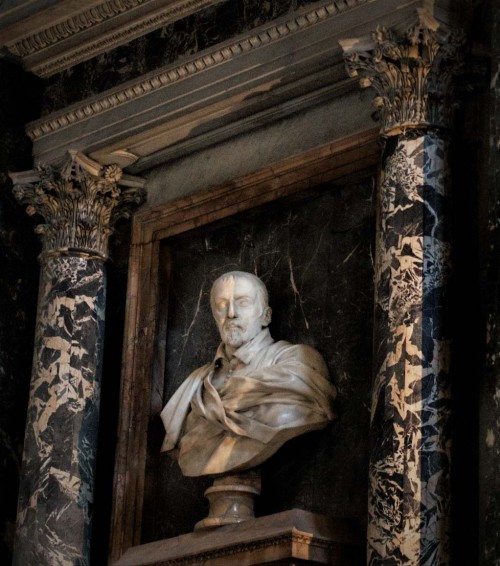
[233,336]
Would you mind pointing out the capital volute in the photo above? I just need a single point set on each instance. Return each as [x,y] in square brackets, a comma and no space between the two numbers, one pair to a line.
[411,72]
[79,202]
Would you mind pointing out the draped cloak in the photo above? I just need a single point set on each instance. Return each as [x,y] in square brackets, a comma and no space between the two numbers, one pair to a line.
[278,391]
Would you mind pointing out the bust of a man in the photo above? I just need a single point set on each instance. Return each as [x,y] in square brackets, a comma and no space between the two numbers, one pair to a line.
[233,413]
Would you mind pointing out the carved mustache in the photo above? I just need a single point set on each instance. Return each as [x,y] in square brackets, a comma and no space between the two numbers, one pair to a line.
[232,325]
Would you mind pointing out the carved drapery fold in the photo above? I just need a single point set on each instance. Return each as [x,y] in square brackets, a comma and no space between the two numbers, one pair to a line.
[80,202]
[412,73]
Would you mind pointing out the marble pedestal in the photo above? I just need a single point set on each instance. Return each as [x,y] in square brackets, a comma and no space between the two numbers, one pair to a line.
[291,537]
[231,500]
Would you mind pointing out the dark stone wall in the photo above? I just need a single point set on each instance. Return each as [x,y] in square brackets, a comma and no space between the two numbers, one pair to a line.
[163,46]
[469,184]
[489,424]
[19,103]
[314,254]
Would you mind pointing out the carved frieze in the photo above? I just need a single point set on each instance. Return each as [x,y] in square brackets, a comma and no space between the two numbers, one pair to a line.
[79,202]
[412,73]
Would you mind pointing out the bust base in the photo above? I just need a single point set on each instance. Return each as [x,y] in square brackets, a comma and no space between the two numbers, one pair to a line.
[231,500]
[288,538]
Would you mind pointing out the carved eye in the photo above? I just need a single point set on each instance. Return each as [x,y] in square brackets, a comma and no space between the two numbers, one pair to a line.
[221,305]
[244,302]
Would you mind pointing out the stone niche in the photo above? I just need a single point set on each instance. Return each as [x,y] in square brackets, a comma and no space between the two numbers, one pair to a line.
[307,230]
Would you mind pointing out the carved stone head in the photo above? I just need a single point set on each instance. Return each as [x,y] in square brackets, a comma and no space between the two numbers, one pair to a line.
[240,307]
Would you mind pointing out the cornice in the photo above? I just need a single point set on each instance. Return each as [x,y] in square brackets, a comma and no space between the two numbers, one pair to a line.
[88,31]
[87,18]
[285,540]
[172,74]
[279,70]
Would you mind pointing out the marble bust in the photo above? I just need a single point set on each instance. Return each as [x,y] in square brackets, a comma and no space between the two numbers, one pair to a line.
[233,413]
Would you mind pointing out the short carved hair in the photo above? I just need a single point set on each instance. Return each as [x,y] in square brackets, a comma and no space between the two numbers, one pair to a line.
[261,288]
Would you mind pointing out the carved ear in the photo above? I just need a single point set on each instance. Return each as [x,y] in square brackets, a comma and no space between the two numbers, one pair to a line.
[266,317]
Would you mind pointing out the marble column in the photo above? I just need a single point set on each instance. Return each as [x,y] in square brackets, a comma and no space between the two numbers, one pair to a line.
[78,204]
[409,473]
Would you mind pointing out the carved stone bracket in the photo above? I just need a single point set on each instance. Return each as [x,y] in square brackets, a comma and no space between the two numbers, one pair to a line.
[79,202]
[412,73]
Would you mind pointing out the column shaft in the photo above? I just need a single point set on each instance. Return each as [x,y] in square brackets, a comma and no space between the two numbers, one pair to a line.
[409,495]
[409,475]
[55,501]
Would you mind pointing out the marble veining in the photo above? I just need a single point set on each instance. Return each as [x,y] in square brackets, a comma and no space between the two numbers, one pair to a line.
[62,422]
[79,203]
[409,470]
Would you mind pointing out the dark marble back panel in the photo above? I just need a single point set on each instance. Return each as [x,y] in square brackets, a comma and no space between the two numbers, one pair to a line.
[314,252]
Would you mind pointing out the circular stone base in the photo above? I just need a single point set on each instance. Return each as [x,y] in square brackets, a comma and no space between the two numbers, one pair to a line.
[231,500]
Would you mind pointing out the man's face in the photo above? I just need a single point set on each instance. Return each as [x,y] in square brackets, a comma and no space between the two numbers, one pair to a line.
[237,310]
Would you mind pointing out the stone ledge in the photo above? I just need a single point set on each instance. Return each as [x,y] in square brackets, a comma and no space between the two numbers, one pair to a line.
[283,538]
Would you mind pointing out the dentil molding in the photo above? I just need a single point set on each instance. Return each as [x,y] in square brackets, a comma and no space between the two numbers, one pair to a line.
[284,67]
[172,74]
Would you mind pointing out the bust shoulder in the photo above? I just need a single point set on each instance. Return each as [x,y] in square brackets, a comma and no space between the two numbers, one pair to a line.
[287,352]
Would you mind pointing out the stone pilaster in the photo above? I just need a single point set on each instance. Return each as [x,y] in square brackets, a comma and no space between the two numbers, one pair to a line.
[409,483]
[78,204]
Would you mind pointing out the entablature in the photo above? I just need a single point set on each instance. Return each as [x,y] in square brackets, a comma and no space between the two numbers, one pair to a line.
[284,67]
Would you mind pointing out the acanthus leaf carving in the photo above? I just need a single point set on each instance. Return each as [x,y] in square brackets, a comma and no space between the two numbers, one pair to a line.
[79,203]
[412,74]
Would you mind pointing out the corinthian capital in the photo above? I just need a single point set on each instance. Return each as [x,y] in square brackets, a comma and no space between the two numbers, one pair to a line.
[411,72]
[79,202]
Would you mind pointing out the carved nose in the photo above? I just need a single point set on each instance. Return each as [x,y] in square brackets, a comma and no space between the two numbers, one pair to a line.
[230,312]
